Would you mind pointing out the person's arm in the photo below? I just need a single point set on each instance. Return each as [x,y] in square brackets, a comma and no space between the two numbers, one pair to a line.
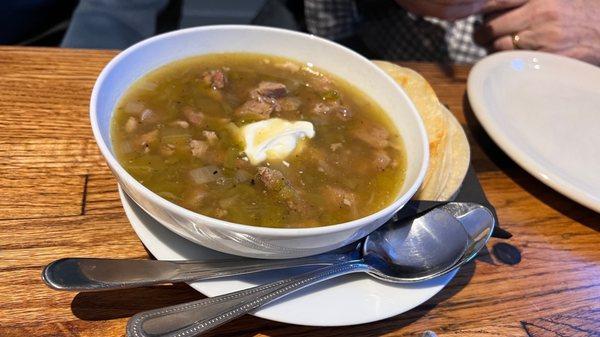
[112,24]
[456,9]
[566,27]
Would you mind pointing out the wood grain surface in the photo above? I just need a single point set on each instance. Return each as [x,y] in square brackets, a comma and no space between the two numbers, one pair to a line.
[58,199]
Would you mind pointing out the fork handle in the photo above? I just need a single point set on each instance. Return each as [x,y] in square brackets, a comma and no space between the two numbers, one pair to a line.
[195,318]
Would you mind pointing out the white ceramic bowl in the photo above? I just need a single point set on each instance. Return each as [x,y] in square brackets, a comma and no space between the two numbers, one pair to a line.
[239,239]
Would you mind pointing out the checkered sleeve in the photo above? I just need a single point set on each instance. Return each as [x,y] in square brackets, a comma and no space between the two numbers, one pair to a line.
[331,19]
[390,32]
[459,39]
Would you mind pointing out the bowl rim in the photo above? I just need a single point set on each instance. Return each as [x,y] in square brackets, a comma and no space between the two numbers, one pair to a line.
[119,171]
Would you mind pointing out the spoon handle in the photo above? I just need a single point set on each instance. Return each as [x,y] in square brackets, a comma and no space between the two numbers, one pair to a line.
[195,318]
[88,274]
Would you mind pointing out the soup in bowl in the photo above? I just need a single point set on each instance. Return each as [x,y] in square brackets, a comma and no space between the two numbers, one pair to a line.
[256,141]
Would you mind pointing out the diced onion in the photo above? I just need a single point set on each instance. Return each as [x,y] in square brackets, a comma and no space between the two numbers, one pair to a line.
[205,174]
[134,107]
[148,86]
[242,176]
[126,147]
[146,115]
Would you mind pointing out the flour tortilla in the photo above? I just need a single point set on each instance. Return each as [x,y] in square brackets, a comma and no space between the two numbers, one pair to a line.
[449,152]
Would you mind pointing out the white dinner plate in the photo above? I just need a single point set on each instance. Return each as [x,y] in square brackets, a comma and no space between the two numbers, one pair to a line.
[543,110]
[348,300]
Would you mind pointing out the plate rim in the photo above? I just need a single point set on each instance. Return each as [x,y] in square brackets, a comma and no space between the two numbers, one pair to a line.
[148,238]
[474,92]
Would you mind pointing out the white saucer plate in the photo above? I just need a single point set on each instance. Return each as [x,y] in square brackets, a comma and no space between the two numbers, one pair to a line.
[348,300]
[543,110]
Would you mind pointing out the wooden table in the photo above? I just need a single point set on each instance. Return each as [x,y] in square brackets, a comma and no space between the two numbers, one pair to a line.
[58,199]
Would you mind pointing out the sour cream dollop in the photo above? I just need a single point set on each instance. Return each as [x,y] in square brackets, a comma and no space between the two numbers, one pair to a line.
[274,138]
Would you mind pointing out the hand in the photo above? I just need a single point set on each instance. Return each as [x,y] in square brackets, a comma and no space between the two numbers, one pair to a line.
[566,27]
[456,9]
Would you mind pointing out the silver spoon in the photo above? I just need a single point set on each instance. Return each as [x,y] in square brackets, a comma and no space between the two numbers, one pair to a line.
[412,251]
[95,274]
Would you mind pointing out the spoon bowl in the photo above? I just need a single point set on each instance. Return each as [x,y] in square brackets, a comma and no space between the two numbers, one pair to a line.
[479,223]
[413,252]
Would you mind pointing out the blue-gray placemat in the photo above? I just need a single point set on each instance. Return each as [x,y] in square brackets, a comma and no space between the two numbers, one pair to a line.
[470,191]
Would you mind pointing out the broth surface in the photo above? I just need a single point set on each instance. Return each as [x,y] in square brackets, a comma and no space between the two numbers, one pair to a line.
[178,130]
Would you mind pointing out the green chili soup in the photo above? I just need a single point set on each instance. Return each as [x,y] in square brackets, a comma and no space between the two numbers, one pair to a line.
[259,140]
